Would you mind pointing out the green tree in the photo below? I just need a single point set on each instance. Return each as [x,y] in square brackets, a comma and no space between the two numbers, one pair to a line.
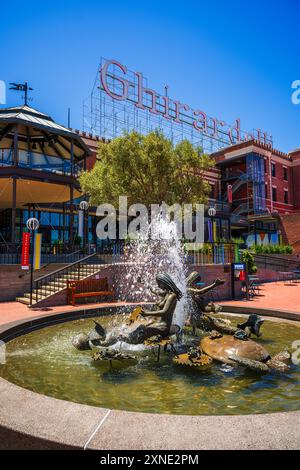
[148,169]
[248,259]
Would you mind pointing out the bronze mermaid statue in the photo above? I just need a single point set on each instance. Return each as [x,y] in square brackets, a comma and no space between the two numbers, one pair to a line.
[157,322]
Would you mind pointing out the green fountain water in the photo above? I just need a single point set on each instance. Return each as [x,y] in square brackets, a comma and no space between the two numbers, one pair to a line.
[45,362]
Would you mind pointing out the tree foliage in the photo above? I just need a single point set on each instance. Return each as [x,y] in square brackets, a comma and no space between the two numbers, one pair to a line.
[248,259]
[148,169]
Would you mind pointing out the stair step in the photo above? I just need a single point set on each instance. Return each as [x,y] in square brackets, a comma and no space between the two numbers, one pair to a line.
[23,300]
[75,277]
[60,283]
[43,293]
[48,288]
[75,274]
[85,268]
[27,296]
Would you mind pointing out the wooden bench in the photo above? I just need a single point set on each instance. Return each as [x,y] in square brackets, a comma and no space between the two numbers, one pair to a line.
[88,288]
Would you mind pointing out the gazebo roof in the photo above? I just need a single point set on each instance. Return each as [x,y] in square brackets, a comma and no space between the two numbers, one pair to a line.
[38,122]
[27,115]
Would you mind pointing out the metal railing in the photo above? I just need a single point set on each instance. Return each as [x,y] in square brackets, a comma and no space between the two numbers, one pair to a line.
[214,253]
[11,253]
[220,206]
[210,253]
[56,280]
[41,162]
[276,263]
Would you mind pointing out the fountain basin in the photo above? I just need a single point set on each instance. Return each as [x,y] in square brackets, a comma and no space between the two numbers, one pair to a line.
[44,361]
[44,421]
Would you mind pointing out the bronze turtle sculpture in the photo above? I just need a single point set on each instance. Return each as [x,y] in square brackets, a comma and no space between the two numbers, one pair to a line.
[239,349]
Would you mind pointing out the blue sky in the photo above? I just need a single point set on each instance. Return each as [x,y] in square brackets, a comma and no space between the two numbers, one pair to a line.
[229,58]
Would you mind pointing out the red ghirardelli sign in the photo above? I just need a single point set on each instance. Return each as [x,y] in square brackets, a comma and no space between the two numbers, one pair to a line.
[25,250]
[116,83]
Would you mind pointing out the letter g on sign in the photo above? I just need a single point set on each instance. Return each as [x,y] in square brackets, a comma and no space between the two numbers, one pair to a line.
[104,74]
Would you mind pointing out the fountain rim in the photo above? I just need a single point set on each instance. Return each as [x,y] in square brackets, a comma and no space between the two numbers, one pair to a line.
[23,422]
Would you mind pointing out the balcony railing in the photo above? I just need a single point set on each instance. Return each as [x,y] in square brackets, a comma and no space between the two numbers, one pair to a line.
[214,253]
[40,162]
[220,206]
[208,253]
[11,253]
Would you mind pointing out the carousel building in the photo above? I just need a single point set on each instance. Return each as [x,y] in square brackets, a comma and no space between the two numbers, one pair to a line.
[39,164]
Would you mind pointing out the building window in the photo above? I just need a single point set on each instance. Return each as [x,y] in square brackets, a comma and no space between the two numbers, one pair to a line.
[286,196]
[285,173]
[274,194]
[266,190]
[265,165]
[273,169]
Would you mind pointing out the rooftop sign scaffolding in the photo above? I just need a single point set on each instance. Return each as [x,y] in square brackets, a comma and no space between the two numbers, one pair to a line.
[122,101]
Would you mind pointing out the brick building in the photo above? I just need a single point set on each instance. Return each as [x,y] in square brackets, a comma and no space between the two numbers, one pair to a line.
[255,188]
[263,185]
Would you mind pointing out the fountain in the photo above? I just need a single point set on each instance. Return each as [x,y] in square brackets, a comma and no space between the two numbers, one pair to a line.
[177,295]
[234,347]
[179,355]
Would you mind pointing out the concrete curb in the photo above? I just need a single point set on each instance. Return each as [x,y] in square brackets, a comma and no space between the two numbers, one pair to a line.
[33,421]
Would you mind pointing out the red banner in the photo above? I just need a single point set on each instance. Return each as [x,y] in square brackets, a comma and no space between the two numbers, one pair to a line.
[229,193]
[25,250]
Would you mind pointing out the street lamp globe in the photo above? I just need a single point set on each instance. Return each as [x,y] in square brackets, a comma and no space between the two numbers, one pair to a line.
[84,205]
[32,224]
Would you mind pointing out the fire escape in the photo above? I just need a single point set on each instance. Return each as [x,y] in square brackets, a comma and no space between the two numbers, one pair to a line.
[248,188]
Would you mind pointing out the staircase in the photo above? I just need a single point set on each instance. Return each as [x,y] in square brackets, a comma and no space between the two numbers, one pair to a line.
[241,209]
[242,179]
[46,286]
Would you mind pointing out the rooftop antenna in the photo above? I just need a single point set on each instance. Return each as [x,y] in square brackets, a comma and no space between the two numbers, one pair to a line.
[69,118]
[21,87]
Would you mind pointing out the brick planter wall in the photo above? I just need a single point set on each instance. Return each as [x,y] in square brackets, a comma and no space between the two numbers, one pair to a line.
[12,285]
[117,275]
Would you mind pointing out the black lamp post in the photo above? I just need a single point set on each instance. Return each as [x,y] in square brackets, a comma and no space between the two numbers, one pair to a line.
[84,207]
[212,213]
[32,225]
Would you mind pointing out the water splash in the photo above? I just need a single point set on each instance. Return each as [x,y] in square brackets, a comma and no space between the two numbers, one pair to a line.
[158,250]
